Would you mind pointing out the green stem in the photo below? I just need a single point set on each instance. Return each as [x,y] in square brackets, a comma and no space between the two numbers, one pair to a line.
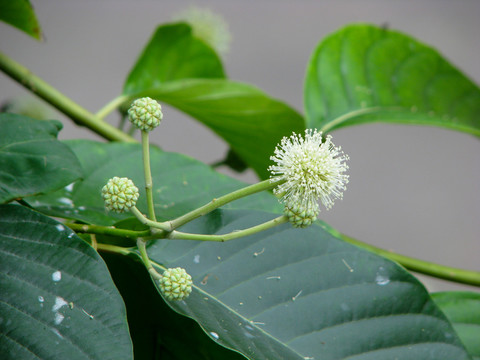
[423,267]
[216,203]
[105,230]
[48,93]
[232,235]
[112,105]
[113,249]
[148,222]
[148,175]
[143,253]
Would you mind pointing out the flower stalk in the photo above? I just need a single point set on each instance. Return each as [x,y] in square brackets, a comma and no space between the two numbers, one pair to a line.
[148,176]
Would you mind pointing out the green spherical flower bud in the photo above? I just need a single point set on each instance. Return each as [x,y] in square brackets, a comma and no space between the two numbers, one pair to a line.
[145,114]
[299,216]
[176,284]
[119,194]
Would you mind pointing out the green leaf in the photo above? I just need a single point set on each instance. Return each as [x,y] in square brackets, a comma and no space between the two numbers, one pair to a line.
[249,120]
[364,73]
[302,294]
[32,160]
[173,53]
[180,184]
[57,299]
[20,14]
[162,334]
[462,308]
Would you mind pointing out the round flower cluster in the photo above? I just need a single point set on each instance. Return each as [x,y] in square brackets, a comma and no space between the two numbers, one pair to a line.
[119,194]
[145,114]
[207,26]
[176,284]
[300,218]
[308,169]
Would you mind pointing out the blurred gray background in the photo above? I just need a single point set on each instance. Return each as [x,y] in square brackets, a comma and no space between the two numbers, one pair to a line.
[414,190]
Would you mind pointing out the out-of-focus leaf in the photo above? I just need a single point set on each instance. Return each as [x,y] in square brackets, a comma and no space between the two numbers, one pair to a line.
[20,13]
[363,73]
[173,53]
[250,121]
[463,310]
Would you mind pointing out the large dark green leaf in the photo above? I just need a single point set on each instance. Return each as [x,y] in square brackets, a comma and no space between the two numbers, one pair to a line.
[32,160]
[19,13]
[304,294]
[250,121]
[463,310]
[157,331]
[180,184]
[173,53]
[364,73]
[57,300]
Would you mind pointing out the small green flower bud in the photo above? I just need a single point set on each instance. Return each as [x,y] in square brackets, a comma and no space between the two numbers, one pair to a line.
[119,194]
[300,217]
[176,284]
[145,113]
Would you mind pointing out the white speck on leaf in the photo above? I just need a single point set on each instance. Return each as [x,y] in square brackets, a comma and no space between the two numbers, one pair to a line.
[57,276]
[66,201]
[58,318]
[59,303]
[196,259]
[60,227]
[214,335]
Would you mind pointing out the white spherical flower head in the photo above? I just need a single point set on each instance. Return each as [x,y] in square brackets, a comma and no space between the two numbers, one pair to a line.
[207,26]
[119,194]
[310,169]
[145,113]
[176,284]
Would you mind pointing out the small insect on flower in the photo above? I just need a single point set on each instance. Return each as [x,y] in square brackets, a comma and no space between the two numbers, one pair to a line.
[309,169]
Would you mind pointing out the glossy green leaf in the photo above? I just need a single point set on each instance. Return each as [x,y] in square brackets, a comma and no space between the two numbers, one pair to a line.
[20,13]
[304,294]
[462,308]
[180,184]
[173,53]
[363,73]
[32,160]
[249,120]
[57,299]
[157,331]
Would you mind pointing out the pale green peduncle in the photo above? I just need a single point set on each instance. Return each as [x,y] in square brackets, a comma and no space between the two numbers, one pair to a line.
[218,202]
[229,236]
[148,175]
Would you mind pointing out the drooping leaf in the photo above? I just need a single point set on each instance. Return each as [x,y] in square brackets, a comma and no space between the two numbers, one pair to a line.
[20,13]
[32,160]
[173,53]
[157,331]
[462,308]
[250,121]
[57,299]
[304,294]
[363,73]
[180,184]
